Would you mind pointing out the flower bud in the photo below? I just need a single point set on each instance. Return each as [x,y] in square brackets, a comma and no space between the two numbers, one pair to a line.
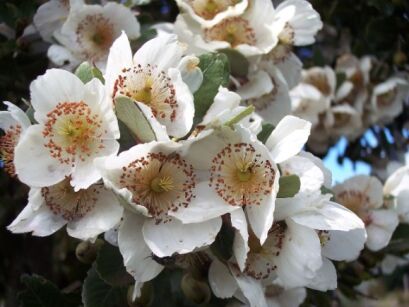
[195,290]
[86,251]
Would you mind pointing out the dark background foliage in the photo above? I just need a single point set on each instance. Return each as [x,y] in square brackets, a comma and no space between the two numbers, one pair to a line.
[378,27]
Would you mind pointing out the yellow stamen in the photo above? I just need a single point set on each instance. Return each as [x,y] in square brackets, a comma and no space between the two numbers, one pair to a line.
[162,184]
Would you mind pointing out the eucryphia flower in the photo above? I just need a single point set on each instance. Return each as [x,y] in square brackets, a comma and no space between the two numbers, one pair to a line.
[210,12]
[240,172]
[387,98]
[13,122]
[157,182]
[89,32]
[50,17]
[363,195]
[250,33]
[155,79]
[296,22]
[86,212]
[76,124]
[397,186]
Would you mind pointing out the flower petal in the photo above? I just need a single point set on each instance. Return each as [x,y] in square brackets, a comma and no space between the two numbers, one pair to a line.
[240,245]
[380,230]
[106,213]
[344,245]
[288,138]
[326,277]
[137,255]
[34,165]
[221,281]
[167,238]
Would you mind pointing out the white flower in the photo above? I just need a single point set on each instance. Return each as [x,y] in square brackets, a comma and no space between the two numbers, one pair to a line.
[240,172]
[210,12]
[89,32]
[336,228]
[388,97]
[322,78]
[157,182]
[354,89]
[51,15]
[343,120]
[87,213]
[397,185]
[153,78]
[249,33]
[13,122]
[307,102]
[363,195]
[76,124]
[267,91]
[296,22]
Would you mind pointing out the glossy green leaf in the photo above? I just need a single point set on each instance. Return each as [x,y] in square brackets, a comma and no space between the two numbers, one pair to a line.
[132,116]
[289,186]
[216,72]
[265,132]
[110,266]
[86,72]
[239,65]
[97,293]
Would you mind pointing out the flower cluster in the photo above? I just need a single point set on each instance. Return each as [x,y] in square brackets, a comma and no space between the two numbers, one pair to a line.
[347,100]
[180,158]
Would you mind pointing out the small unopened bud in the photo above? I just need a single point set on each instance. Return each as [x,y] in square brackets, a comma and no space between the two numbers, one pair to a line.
[86,251]
[195,290]
[140,296]
[399,58]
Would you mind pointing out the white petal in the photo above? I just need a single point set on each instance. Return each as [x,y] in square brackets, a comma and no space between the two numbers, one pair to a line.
[258,85]
[55,86]
[205,206]
[300,257]
[251,288]
[137,255]
[122,18]
[344,245]
[40,169]
[120,57]
[221,281]
[152,52]
[167,238]
[183,121]
[380,230]
[240,245]
[288,138]
[17,114]
[62,57]
[329,216]
[326,278]
[225,101]
[104,216]
[40,221]
[191,74]
[261,216]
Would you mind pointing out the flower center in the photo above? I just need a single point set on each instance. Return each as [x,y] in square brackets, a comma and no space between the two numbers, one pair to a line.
[95,35]
[240,176]
[286,36]
[62,200]
[159,182]
[318,80]
[234,30]
[73,131]
[208,9]
[151,87]
[386,99]
[279,53]
[341,119]
[7,144]
[260,262]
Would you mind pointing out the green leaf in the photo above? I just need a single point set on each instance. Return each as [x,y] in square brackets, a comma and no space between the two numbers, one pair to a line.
[110,266]
[325,190]
[39,292]
[341,77]
[289,186]
[215,68]
[222,247]
[239,65]
[97,293]
[132,116]
[265,132]
[86,72]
